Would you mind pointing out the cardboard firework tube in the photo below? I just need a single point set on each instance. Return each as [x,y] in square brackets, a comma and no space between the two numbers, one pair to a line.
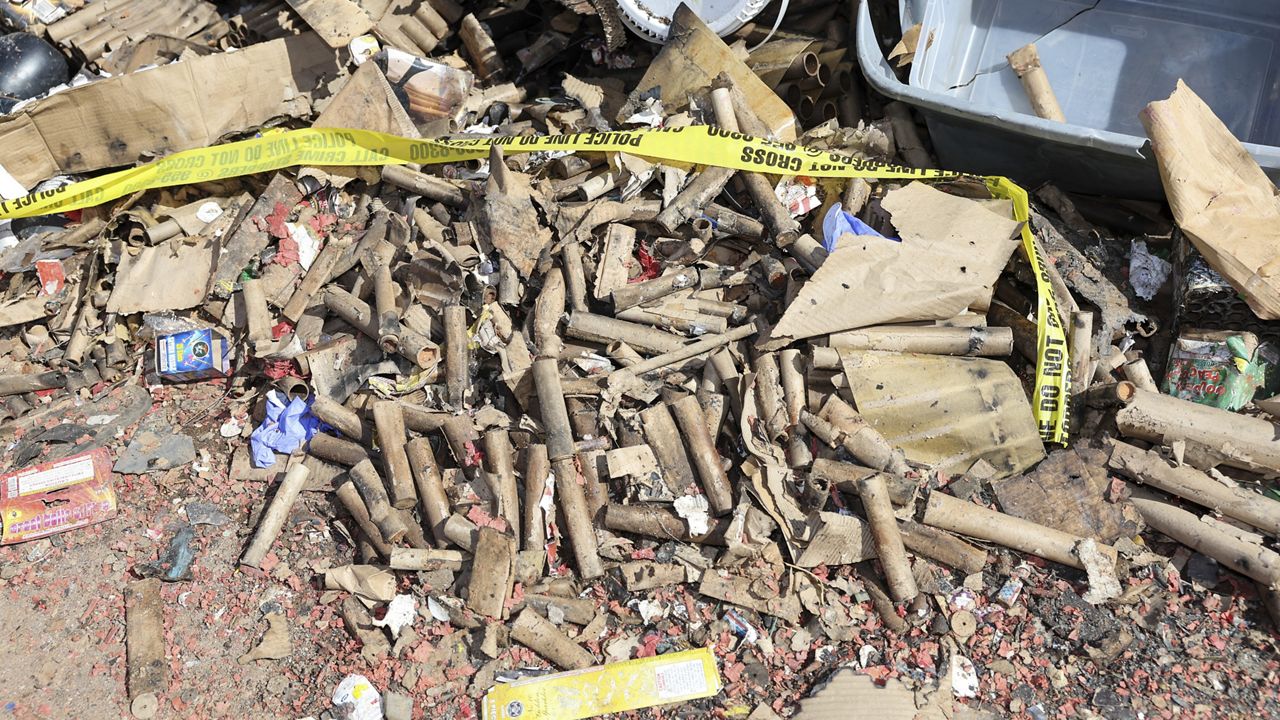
[257,316]
[144,638]
[660,431]
[596,492]
[413,535]
[942,547]
[880,599]
[1024,331]
[547,311]
[990,341]
[907,137]
[808,252]
[791,373]
[887,538]
[20,384]
[948,513]
[336,450]
[596,184]
[861,440]
[500,464]
[432,21]
[602,329]
[367,481]
[722,363]
[730,222]
[491,573]
[532,523]
[1149,468]
[656,521]
[1107,364]
[647,574]
[357,313]
[642,292]
[569,493]
[384,303]
[690,323]
[419,419]
[432,498]
[461,532]
[480,48]
[508,283]
[433,188]
[422,37]
[1080,349]
[575,277]
[425,559]
[579,611]
[1137,372]
[1248,559]
[693,198]
[1025,62]
[148,673]
[317,275]
[705,457]
[349,496]
[700,347]
[275,515]
[572,501]
[1160,418]
[389,422]
[539,635]
[555,414]
[457,356]
[783,228]
[359,624]
[769,395]
[339,416]
[463,441]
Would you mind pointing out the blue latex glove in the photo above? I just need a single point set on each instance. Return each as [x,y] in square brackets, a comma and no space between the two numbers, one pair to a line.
[838,222]
[285,429]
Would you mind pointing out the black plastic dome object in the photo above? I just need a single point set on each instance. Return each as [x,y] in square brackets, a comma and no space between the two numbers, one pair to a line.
[28,67]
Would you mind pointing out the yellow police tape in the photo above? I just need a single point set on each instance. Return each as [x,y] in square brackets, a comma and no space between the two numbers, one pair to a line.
[697,145]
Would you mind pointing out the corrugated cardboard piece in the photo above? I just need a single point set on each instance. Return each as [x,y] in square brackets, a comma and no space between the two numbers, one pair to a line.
[1219,196]
[946,412]
[951,254]
[189,104]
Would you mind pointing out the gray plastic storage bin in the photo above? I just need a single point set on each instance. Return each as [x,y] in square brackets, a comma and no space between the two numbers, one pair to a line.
[1105,64]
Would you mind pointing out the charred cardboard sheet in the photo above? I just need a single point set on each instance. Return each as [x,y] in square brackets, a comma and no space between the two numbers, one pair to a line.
[189,104]
[1220,198]
[1068,491]
[169,276]
[947,412]
[952,251]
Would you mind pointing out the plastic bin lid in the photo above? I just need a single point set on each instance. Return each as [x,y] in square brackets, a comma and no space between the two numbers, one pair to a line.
[650,19]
